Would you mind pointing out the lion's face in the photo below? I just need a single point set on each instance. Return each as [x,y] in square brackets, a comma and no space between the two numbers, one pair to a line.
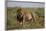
[19,15]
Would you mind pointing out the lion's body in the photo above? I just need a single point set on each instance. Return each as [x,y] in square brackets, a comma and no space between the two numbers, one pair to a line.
[24,16]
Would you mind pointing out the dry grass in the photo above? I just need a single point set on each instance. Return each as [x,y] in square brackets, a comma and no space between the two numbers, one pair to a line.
[12,23]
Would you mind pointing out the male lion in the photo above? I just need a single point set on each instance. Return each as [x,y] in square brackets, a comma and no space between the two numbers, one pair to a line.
[24,16]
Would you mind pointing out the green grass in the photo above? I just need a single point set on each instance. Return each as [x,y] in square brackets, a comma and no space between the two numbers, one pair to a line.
[12,22]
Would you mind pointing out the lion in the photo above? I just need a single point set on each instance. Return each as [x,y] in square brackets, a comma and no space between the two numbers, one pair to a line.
[24,15]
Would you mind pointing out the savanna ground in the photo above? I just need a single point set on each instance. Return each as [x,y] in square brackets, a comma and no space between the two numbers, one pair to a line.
[12,22]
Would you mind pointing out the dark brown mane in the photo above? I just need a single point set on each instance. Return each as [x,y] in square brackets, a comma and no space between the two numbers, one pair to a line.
[19,18]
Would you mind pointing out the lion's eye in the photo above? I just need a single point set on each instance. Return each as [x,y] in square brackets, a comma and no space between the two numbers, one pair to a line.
[21,13]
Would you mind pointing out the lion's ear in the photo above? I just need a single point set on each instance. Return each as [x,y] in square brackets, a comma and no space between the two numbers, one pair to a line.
[19,10]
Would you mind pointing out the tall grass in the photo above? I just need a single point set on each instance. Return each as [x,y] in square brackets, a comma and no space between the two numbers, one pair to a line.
[12,22]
